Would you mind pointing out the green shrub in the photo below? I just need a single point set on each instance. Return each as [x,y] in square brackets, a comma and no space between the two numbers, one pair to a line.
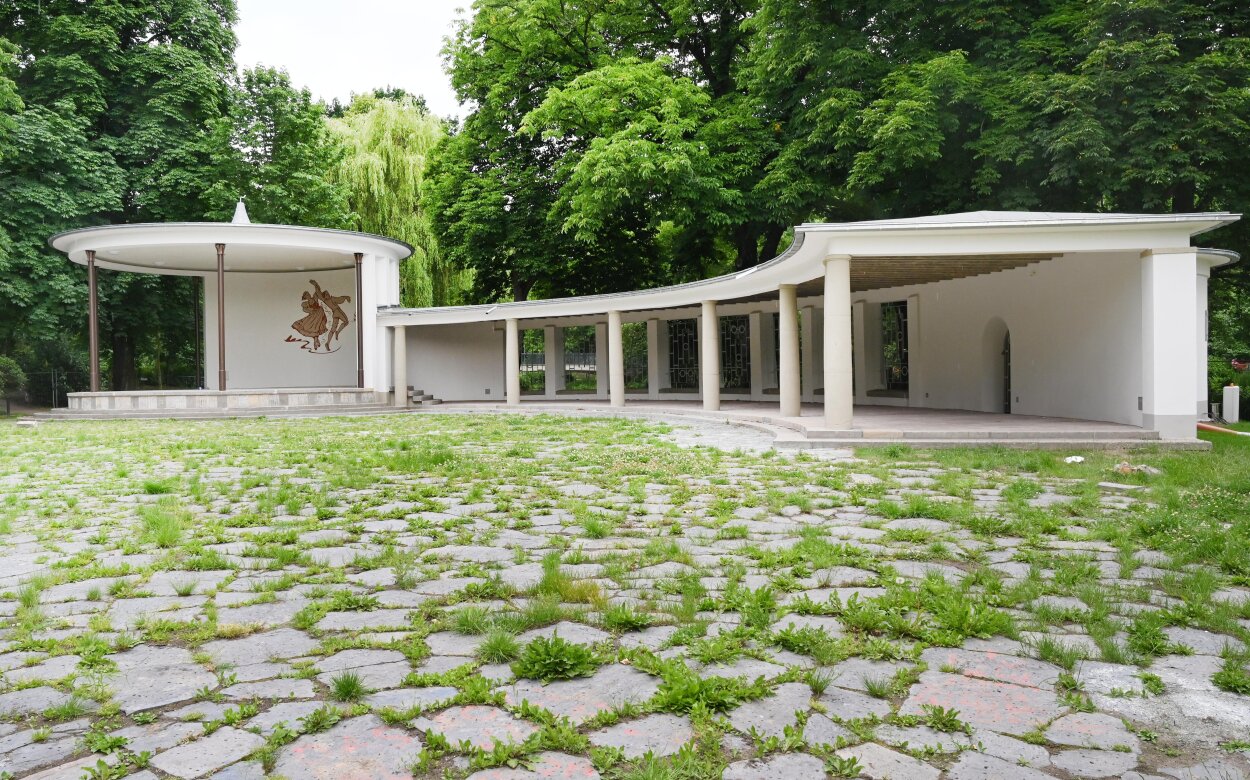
[552,658]
[12,380]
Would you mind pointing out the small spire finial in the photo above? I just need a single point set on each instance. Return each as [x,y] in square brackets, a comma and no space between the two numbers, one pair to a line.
[240,214]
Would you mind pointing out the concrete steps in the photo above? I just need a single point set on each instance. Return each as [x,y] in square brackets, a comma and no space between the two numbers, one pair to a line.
[422,398]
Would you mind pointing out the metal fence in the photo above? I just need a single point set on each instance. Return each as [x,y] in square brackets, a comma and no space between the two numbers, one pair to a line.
[52,388]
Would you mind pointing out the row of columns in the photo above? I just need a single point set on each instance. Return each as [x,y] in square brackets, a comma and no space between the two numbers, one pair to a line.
[93,320]
[838,368]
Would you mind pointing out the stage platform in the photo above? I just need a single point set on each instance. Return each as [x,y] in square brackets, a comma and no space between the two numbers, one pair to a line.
[190,404]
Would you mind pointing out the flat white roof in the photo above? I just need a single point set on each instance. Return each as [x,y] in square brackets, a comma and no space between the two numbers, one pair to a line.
[187,248]
[947,243]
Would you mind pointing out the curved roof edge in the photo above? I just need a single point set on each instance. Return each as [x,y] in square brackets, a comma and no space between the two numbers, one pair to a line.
[60,238]
[801,261]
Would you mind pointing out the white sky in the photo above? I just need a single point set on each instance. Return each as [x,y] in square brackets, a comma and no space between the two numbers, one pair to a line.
[337,47]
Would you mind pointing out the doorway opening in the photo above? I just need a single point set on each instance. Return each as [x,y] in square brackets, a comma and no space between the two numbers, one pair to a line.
[1007,373]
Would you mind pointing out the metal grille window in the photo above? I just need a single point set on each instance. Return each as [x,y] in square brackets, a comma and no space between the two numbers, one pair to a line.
[735,353]
[894,345]
[772,377]
[683,354]
[533,361]
[580,361]
[634,345]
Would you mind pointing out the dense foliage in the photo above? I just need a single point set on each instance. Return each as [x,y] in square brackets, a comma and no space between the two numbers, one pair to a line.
[607,144]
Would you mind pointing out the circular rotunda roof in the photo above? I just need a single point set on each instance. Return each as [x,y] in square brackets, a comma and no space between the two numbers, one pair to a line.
[188,248]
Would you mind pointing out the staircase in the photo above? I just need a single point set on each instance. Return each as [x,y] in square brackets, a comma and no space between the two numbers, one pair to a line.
[421,398]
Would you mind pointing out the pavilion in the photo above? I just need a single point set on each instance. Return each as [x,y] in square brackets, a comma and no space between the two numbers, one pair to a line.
[258,282]
[1070,316]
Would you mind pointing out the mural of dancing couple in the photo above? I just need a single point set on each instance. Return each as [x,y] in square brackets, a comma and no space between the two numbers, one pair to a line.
[324,320]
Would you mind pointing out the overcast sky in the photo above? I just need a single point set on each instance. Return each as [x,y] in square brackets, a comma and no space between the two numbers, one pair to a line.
[337,47]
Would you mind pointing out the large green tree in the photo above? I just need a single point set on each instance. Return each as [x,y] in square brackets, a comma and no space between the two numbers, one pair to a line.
[609,146]
[118,98]
[387,147]
[273,149]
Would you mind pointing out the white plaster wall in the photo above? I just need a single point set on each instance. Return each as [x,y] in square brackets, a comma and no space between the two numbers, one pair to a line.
[260,309]
[457,362]
[1075,325]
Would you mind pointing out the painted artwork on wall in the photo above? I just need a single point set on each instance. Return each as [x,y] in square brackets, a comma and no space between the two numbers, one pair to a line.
[320,329]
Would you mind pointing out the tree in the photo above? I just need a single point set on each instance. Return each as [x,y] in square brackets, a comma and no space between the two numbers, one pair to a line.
[12,380]
[118,97]
[388,143]
[274,150]
[534,196]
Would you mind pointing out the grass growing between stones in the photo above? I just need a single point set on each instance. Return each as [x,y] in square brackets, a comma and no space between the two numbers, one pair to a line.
[712,585]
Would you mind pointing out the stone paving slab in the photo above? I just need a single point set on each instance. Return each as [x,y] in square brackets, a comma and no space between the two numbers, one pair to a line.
[479,725]
[783,766]
[769,716]
[545,766]
[1094,763]
[1092,730]
[357,747]
[661,734]
[880,763]
[583,698]
[219,749]
[979,766]
[1002,707]
[1000,667]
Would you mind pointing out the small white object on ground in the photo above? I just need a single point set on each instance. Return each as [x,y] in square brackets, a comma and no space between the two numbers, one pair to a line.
[1074,459]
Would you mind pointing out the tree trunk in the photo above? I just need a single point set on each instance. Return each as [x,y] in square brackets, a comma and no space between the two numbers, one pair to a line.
[746,241]
[772,239]
[520,287]
[125,375]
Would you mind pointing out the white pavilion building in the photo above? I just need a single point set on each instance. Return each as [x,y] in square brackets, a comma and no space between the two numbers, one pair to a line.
[1098,318]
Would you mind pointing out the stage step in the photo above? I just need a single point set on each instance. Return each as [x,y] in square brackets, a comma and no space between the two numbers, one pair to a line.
[333,410]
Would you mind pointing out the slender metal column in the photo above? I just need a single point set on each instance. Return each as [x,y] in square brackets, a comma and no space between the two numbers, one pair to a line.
[197,287]
[360,331]
[221,317]
[93,327]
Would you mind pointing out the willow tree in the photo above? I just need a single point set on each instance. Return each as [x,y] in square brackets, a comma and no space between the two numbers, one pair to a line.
[388,143]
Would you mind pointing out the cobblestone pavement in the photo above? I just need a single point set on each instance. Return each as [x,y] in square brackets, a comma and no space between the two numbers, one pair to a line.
[494,597]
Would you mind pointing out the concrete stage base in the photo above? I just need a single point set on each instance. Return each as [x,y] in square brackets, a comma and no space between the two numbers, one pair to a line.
[213,403]
[872,425]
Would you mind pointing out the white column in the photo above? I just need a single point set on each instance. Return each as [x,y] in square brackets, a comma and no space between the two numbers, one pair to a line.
[807,345]
[789,384]
[755,328]
[768,337]
[709,357]
[553,361]
[915,353]
[601,359]
[1204,344]
[1169,344]
[859,335]
[399,365]
[512,362]
[653,358]
[616,360]
[839,398]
